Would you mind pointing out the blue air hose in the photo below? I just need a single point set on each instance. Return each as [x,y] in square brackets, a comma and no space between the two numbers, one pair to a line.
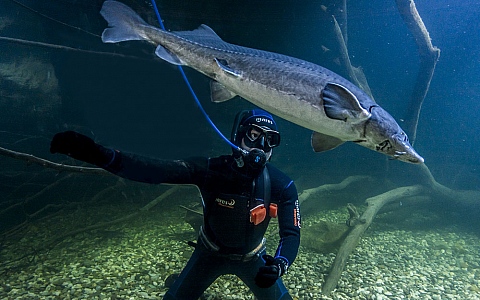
[154,4]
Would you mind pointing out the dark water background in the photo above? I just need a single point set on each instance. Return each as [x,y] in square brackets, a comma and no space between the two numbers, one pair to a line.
[141,104]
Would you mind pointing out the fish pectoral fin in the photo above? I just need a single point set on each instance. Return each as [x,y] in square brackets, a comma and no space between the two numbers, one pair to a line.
[340,104]
[223,64]
[166,55]
[219,93]
[322,142]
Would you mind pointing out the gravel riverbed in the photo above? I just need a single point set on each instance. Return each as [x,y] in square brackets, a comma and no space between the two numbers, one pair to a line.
[132,261]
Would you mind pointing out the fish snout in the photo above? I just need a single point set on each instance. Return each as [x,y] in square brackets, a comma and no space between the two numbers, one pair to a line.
[403,151]
[409,155]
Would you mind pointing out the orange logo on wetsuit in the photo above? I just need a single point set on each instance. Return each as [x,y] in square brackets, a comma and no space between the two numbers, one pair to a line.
[225,203]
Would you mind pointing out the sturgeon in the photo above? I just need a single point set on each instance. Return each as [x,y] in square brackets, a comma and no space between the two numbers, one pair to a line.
[301,92]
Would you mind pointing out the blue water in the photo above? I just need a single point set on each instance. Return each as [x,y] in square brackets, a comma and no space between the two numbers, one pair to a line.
[123,96]
[141,105]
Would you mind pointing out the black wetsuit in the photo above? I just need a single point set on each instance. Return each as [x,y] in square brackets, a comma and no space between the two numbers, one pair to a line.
[227,200]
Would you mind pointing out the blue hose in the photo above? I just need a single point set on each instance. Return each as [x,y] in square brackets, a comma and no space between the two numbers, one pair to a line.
[154,4]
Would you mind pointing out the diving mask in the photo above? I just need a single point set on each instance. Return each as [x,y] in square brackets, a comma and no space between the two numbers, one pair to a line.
[261,137]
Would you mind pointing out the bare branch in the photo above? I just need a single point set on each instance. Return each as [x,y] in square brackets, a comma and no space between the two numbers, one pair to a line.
[61,47]
[55,241]
[429,55]
[351,241]
[326,188]
[51,165]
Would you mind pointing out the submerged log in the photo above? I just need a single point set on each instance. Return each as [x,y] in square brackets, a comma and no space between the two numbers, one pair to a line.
[58,239]
[145,208]
[461,198]
[355,74]
[64,48]
[353,238]
[421,193]
[29,158]
[326,188]
[429,56]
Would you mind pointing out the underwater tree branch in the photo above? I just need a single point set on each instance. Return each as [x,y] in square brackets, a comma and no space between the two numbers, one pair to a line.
[411,195]
[461,198]
[326,188]
[30,216]
[53,19]
[344,57]
[145,208]
[55,241]
[351,241]
[344,21]
[354,73]
[429,56]
[18,205]
[46,207]
[29,158]
[66,48]
[110,188]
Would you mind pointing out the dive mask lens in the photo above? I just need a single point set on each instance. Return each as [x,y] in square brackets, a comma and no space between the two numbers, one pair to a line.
[254,134]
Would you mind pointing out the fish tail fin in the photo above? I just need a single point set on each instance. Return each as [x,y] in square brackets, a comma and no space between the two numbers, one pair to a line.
[125,24]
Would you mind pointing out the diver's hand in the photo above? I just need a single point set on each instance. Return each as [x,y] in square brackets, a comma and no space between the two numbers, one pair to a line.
[268,274]
[80,147]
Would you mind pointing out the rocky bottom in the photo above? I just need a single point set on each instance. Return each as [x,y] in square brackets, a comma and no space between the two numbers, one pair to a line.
[132,261]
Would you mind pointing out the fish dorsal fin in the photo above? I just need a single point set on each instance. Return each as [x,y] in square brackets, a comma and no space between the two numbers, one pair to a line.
[206,31]
[341,104]
[219,93]
[201,34]
[322,142]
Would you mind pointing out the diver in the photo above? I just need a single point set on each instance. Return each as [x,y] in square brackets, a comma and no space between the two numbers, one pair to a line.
[240,192]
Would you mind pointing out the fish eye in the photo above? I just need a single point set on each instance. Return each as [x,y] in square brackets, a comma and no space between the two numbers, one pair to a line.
[401,137]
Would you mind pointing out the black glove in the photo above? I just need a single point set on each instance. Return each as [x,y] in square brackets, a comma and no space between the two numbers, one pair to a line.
[268,274]
[81,147]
